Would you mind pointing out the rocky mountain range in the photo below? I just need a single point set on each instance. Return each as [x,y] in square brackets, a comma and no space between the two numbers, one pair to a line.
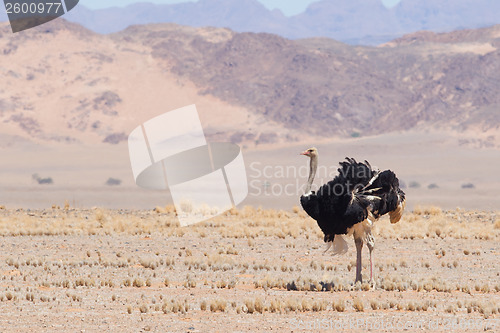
[365,22]
[62,82]
[325,87]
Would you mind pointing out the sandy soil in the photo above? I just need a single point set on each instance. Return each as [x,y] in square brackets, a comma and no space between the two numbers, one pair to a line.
[276,174]
[117,270]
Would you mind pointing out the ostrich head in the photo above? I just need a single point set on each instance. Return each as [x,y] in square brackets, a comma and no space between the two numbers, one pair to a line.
[311,152]
[313,166]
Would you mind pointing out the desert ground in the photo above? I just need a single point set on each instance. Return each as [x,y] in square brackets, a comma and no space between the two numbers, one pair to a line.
[126,265]
[249,270]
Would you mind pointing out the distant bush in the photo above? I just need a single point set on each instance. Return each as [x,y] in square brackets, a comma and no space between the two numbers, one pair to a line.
[113,182]
[355,135]
[468,185]
[42,181]
[427,210]
[269,137]
[115,138]
[107,99]
[414,184]
[239,137]
[236,137]
[432,186]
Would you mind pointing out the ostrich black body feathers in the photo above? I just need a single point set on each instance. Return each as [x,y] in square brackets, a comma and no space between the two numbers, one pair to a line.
[352,196]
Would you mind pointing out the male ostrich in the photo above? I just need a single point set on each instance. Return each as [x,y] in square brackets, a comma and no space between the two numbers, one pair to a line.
[351,202]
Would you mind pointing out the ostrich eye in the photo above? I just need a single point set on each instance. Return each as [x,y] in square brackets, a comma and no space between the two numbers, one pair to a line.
[310,150]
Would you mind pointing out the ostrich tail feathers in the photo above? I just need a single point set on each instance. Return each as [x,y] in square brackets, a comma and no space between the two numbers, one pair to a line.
[339,245]
[328,246]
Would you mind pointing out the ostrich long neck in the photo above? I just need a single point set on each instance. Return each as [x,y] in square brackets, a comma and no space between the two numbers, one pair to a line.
[313,166]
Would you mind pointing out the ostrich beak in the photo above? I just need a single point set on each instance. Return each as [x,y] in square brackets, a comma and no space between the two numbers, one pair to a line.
[306,153]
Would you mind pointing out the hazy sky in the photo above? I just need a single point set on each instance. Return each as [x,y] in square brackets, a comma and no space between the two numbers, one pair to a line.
[288,7]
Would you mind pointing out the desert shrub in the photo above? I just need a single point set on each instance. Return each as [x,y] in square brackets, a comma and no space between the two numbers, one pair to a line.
[497,224]
[427,210]
[42,181]
[218,305]
[269,137]
[414,184]
[113,181]
[237,137]
[358,305]
[339,305]
[115,138]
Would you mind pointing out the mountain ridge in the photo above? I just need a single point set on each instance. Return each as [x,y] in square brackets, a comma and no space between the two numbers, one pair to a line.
[273,89]
[354,22]
[351,21]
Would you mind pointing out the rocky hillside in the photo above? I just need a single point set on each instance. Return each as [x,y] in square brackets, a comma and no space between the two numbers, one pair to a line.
[328,88]
[62,82]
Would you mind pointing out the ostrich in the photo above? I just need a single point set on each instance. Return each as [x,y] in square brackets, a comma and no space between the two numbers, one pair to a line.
[350,203]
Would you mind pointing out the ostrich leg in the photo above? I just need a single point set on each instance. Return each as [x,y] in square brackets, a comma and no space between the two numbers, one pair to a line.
[359,247]
[370,242]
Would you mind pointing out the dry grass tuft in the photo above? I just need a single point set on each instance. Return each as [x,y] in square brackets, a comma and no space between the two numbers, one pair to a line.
[427,210]
[276,306]
[320,305]
[259,305]
[247,222]
[250,306]
[292,304]
[339,305]
[358,305]
[138,283]
[218,305]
